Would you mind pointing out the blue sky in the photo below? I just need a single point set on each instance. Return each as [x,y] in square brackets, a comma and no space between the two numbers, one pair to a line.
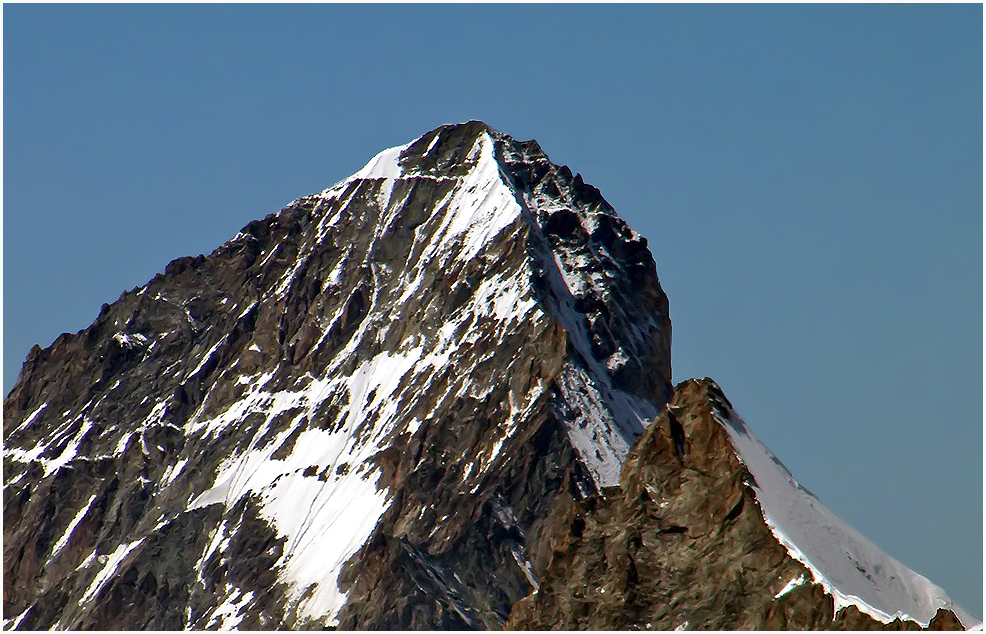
[809,178]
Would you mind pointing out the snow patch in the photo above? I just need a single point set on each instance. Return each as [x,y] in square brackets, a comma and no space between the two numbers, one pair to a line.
[30,418]
[206,357]
[173,471]
[121,446]
[19,455]
[11,624]
[383,165]
[109,568]
[434,142]
[50,466]
[130,341]
[226,615]
[791,585]
[525,567]
[63,540]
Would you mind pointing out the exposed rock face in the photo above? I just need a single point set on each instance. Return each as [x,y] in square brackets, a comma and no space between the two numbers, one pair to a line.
[406,402]
[682,543]
[408,367]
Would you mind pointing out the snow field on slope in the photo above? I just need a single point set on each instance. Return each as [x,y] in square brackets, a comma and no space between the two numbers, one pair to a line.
[593,429]
[851,568]
[482,205]
[491,208]
[383,165]
[325,522]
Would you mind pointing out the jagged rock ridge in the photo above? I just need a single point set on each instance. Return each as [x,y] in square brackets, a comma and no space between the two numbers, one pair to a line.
[366,411]
[683,543]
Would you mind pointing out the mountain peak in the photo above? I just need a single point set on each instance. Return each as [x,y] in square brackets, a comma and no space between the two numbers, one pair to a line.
[373,409]
[356,376]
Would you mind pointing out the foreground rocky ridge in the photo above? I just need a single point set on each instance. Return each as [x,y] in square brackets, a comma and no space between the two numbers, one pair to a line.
[382,407]
[681,543]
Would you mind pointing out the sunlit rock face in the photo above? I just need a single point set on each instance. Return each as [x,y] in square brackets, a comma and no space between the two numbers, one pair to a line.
[359,411]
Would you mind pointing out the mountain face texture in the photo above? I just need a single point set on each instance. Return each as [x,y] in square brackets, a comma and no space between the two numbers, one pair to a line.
[685,528]
[436,395]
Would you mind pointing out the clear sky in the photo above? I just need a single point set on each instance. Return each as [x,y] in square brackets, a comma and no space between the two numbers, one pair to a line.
[809,178]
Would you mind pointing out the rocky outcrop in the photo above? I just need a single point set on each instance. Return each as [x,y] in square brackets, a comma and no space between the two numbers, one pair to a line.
[682,543]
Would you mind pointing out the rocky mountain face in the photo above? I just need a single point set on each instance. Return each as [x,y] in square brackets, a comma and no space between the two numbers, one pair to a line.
[431,396]
[682,543]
